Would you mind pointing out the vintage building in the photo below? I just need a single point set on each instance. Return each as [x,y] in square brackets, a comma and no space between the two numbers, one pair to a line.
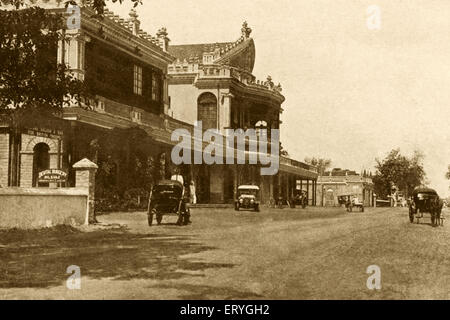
[126,69]
[344,182]
[214,83]
[130,121]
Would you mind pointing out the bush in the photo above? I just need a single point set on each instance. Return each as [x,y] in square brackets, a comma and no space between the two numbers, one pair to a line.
[132,200]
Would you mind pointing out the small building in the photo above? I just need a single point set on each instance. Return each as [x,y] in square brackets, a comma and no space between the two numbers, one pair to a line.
[343,182]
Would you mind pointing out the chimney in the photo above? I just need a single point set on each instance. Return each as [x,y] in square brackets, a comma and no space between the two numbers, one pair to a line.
[135,22]
[163,39]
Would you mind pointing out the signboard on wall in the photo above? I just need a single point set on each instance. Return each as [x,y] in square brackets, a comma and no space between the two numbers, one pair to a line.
[46,133]
[52,176]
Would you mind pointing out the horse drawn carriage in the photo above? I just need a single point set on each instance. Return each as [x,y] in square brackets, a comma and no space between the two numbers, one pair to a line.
[167,198]
[426,200]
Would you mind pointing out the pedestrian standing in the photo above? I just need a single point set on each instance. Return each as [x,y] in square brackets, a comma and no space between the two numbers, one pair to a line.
[192,195]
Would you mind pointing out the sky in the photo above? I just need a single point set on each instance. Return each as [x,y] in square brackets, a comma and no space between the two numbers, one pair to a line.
[352,93]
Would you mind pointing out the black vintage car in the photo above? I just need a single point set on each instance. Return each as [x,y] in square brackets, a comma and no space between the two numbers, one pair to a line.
[425,200]
[167,198]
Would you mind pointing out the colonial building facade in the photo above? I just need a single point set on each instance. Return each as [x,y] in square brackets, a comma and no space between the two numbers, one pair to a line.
[213,83]
[126,69]
[145,89]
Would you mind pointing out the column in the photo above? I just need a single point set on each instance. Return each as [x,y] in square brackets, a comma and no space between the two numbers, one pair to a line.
[225,112]
[71,51]
[307,190]
[85,178]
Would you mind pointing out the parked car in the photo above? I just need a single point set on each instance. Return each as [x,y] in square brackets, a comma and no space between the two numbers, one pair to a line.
[425,200]
[247,198]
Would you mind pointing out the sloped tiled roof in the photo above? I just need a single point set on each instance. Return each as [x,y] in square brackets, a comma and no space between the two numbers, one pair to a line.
[190,51]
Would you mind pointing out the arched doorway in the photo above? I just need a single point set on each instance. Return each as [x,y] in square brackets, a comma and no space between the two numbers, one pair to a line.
[207,110]
[41,160]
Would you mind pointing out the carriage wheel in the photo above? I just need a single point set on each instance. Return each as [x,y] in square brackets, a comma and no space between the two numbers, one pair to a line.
[433,218]
[180,219]
[186,217]
[159,218]
[150,216]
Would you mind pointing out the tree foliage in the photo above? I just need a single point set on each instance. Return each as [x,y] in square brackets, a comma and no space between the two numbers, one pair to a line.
[447,175]
[405,173]
[321,164]
[98,5]
[32,83]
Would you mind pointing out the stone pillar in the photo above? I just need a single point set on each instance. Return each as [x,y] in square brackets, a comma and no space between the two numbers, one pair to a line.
[225,112]
[85,178]
[235,181]
[4,159]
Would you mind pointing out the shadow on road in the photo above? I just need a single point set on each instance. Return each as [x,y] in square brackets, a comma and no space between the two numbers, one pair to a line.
[40,258]
[201,292]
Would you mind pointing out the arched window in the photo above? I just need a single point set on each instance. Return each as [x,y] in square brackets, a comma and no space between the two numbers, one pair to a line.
[41,160]
[207,110]
[261,128]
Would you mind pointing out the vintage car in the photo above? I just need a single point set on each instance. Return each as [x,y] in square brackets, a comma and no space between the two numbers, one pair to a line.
[425,200]
[247,198]
[350,201]
[167,198]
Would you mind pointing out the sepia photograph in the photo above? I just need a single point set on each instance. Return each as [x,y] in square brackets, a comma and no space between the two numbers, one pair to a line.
[240,150]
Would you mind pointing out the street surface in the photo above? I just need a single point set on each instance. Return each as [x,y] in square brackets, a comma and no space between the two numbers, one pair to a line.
[313,253]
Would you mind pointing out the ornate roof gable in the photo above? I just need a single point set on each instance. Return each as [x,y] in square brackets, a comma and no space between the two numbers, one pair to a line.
[240,53]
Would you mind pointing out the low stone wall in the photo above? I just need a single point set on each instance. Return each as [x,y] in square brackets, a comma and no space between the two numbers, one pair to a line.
[29,208]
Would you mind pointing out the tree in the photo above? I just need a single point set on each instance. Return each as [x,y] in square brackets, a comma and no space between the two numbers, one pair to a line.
[98,5]
[321,164]
[447,175]
[403,172]
[33,86]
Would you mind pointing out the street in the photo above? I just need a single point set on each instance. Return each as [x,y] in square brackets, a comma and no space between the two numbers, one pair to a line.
[312,253]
